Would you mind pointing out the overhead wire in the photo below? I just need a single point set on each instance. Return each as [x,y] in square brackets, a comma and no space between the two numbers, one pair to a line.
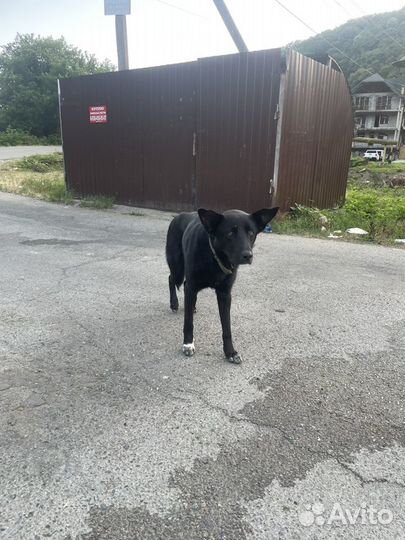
[376,25]
[319,37]
[181,9]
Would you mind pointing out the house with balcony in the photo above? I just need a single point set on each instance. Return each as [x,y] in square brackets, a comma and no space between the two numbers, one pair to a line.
[378,106]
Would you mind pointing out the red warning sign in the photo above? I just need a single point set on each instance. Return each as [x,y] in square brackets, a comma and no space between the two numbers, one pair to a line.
[98,114]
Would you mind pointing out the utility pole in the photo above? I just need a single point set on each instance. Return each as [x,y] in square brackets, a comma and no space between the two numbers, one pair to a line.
[122,41]
[230,25]
[120,8]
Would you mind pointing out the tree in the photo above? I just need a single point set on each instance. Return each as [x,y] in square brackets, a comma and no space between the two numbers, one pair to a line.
[29,69]
[374,42]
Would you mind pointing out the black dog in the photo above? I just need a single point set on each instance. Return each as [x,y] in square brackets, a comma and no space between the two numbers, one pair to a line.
[206,249]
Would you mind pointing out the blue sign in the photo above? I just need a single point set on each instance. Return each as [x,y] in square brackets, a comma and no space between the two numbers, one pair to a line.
[117,7]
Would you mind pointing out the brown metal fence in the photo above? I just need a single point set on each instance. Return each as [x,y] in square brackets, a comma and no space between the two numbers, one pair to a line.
[206,133]
[143,153]
[316,131]
[237,129]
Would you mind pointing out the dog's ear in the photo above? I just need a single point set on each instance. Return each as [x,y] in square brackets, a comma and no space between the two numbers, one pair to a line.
[262,217]
[210,219]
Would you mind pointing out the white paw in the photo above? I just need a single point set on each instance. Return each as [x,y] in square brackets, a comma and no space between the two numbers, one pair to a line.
[188,349]
[235,358]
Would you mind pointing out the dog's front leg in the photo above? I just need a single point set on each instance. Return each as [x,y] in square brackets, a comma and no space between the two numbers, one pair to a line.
[190,298]
[224,305]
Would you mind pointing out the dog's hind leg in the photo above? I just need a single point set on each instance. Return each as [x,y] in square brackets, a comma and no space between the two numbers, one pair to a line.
[175,260]
[174,303]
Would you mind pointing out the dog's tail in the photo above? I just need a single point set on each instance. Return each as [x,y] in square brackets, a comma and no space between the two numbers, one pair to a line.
[174,252]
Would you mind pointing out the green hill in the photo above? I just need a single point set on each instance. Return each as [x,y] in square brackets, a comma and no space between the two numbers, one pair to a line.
[367,41]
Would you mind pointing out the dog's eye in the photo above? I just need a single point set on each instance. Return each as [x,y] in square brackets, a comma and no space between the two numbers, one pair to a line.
[251,234]
[232,232]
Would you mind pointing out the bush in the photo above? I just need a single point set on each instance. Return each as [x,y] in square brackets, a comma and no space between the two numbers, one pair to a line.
[18,137]
[53,140]
[380,212]
[14,137]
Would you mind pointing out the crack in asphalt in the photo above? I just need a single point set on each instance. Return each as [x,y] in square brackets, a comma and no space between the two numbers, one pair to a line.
[56,289]
[366,481]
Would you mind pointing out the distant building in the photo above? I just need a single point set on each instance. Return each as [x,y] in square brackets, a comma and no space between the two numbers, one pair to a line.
[379,113]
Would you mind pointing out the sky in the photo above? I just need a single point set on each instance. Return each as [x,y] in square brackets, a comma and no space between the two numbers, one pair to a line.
[168,31]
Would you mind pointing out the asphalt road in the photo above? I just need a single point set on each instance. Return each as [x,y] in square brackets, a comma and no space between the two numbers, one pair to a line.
[16,152]
[108,432]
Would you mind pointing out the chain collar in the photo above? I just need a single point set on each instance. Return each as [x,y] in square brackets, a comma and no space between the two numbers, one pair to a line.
[224,269]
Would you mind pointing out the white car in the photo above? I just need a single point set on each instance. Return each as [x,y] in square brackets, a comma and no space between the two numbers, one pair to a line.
[374,155]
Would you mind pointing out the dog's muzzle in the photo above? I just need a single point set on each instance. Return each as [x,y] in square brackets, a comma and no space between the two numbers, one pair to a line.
[246,257]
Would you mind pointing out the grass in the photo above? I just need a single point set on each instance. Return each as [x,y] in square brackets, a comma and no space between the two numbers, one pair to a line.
[46,187]
[42,177]
[388,168]
[358,162]
[98,202]
[375,202]
[138,213]
[378,210]
[46,163]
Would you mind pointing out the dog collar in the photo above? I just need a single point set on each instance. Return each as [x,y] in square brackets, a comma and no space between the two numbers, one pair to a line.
[224,269]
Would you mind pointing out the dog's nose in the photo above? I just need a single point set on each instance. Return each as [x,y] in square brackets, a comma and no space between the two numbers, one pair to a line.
[247,256]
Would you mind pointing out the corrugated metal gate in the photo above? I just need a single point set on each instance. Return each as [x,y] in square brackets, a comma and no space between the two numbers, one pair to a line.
[143,153]
[237,129]
[205,133]
[316,130]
